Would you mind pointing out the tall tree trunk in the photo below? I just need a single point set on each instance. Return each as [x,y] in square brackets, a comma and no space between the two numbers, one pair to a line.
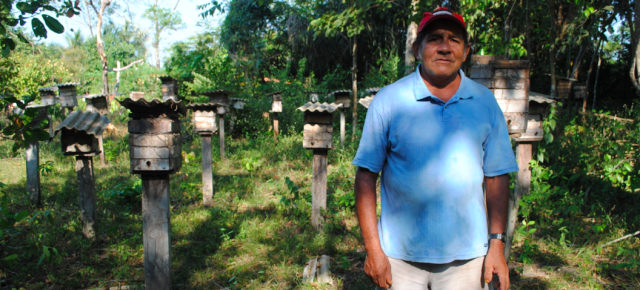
[412,33]
[526,32]
[595,53]
[552,70]
[354,87]
[595,85]
[635,61]
[100,45]
[576,63]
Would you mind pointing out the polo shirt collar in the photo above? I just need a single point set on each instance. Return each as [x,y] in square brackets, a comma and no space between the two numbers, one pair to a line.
[422,93]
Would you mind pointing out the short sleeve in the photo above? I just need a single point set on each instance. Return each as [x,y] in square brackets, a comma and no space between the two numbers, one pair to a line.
[498,157]
[372,152]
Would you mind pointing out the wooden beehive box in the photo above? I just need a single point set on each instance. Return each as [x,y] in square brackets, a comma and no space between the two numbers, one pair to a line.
[510,85]
[169,88]
[48,96]
[276,104]
[314,96]
[67,95]
[343,97]
[579,90]
[97,103]
[539,107]
[80,132]
[563,88]
[204,117]
[136,96]
[155,142]
[238,103]
[42,114]
[482,70]
[318,128]
[218,96]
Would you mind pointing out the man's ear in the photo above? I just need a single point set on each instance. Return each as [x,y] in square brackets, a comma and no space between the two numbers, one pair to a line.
[416,47]
[466,52]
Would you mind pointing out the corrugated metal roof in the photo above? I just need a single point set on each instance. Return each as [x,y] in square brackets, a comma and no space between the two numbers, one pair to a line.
[372,90]
[238,99]
[366,101]
[320,107]
[143,105]
[92,96]
[205,106]
[90,122]
[215,92]
[34,106]
[67,84]
[274,93]
[540,98]
[48,89]
[340,91]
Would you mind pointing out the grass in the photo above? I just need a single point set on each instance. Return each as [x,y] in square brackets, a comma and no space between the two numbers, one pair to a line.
[249,239]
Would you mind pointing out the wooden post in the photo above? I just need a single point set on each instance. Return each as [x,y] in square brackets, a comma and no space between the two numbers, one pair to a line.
[319,187]
[523,185]
[342,128]
[232,121]
[222,137]
[87,190]
[275,127]
[207,171]
[32,154]
[103,160]
[156,230]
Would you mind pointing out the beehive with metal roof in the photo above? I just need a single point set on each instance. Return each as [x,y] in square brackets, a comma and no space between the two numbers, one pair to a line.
[318,128]
[342,97]
[67,94]
[155,142]
[80,132]
[48,95]
[97,103]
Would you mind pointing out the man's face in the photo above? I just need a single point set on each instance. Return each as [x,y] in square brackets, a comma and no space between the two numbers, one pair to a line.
[443,50]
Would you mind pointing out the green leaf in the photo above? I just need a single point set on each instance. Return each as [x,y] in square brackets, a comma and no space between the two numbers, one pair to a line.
[8,43]
[12,257]
[3,30]
[53,24]
[38,28]
[7,3]
[12,22]
[21,215]
[24,7]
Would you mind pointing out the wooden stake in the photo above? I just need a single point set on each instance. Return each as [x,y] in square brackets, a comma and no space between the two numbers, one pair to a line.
[523,185]
[32,154]
[103,160]
[319,187]
[156,229]
[222,137]
[275,127]
[207,171]
[87,191]
[342,128]
[233,120]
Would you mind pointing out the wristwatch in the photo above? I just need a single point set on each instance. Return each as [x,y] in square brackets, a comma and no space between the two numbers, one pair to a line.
[502,237]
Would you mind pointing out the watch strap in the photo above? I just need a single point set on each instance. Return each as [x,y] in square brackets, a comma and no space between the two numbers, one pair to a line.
[502,237]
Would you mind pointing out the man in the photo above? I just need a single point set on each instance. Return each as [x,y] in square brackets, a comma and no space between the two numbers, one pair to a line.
[436,136]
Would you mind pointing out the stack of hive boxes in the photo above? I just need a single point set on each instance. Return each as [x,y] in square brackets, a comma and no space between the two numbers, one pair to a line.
[509,82]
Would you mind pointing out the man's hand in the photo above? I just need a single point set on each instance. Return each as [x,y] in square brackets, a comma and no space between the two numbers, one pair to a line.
[377,267]
[494,263]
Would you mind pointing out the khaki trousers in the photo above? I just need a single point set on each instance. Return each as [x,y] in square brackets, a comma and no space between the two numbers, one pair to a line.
[457,275]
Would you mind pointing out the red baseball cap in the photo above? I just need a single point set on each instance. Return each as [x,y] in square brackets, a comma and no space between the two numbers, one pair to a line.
[441,13]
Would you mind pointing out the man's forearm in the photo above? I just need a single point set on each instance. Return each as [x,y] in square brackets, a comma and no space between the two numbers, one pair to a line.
[497,190]
[365,192]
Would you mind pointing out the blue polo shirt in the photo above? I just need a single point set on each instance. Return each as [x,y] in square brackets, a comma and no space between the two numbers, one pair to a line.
[433,157]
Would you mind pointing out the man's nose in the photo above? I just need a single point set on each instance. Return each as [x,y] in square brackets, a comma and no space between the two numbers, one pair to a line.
[444,48]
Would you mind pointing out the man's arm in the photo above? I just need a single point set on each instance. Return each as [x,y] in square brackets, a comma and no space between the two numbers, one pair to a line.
[497,190]
[377,264]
